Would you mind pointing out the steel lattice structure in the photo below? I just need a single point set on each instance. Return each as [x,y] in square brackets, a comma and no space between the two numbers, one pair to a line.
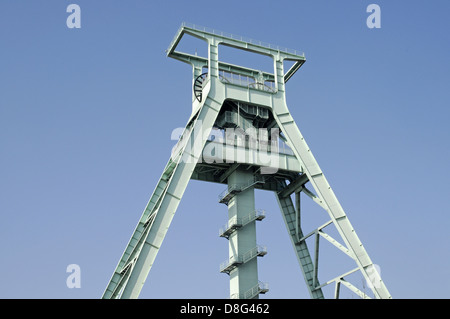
[248,107]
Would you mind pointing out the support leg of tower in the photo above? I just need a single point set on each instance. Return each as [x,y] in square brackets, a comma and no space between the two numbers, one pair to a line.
[292,221]
[138,258]
[327,198]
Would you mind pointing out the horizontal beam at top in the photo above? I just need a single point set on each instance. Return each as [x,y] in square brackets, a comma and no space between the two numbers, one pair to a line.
[235,41]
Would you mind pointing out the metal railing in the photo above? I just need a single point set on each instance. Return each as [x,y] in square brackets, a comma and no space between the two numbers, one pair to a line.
[241,259]
[252,292]
[279,146]
[235,222]
[241,186]
[246,81]
[261,286]
[252,253]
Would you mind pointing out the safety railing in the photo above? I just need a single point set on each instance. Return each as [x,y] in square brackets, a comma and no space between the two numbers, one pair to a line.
[261,287]
[235,261]
[234,222]
[257,251]
[252,144]
[246,81]
[240,187]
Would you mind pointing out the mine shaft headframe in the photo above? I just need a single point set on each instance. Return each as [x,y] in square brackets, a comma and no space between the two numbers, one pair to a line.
[215,37]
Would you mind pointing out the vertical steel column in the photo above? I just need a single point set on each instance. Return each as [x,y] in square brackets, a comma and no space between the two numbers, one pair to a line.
[245,276]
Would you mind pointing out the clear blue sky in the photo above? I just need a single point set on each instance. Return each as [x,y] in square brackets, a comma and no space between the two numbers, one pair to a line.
[86,116]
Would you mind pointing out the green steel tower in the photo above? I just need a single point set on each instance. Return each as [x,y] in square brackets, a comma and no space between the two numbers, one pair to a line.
[241,134]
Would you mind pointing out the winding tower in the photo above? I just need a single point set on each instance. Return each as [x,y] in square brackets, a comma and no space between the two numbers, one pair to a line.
[241,134]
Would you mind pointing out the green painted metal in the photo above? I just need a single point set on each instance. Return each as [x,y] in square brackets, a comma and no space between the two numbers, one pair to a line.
[219,100]
[243,248]
[292,220]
